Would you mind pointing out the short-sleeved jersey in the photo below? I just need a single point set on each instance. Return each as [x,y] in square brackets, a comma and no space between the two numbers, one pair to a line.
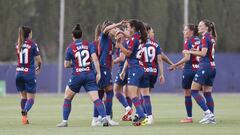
[79,52]
[192,43]
[26,57]
[151,49]
[208,42]
[118,52]
[135,47]
[105,50]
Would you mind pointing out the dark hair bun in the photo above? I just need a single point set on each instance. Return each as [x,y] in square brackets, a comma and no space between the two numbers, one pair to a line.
[77,27]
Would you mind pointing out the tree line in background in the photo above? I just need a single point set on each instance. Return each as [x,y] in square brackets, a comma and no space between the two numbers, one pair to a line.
[165,16]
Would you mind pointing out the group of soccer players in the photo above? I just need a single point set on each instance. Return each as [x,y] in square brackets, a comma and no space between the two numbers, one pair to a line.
[140,61]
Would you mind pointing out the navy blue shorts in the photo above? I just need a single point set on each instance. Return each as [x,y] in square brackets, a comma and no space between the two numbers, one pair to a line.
[205,76]
[85,79]
[135,76]
[149,80]
[106,78]
[26,82]
[187,78]
[119,81]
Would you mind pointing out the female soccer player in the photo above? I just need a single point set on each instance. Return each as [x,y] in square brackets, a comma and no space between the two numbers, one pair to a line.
[135,70]
[119,83]
[27,51]
[80,56]
[192,41]
[152,63]
[206,73]
[105,49]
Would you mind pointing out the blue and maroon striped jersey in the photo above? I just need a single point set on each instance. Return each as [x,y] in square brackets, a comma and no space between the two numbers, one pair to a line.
[135,47]
[79,52]
[192,43]
[208,42]
[105,51]
[151,49]
[26,57]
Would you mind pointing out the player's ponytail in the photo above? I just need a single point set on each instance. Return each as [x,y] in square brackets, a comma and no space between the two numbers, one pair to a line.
[23,34]
[143,32]
[97,31]
[193,28]
[77,31]
[139,27]
[213,30]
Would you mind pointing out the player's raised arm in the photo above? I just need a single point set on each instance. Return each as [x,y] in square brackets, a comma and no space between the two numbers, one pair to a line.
[112,26]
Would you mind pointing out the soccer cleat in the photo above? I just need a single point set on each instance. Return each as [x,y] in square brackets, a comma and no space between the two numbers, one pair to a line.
[208,117]
[104,122]
[127,115]
[62,124]
[96,122]
[111,122]
[24,118]
[141,122]
[209,122]
[186,120]
[149,120]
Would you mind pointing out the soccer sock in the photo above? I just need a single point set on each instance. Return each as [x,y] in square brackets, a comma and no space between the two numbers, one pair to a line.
[188,105]
[147,104]
[28,105]
[138,106]
[101,95]
[22,103]
[66,108]
[121,99]
[108,102]
[100,107]
[129,101]
[209,99]
[199,99]
[141,101]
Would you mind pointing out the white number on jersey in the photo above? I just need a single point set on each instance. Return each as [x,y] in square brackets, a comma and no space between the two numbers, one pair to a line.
[149,53]
[140,51]
[82,62]
[23,54]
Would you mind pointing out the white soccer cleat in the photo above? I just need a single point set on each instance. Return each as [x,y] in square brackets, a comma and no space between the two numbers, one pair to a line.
[150,120]
[96,122]
[208,118]
[62,124]
[111,122]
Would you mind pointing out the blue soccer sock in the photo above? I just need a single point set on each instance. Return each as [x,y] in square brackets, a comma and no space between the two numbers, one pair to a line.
[121,99]
[142,103]
[199,99]
[100,107]
[209,99]
[188,105]
[147,105]
[28,105]
[129,101]
[108,102]
[23,102]
[138,106]
[66,108]
[101,95]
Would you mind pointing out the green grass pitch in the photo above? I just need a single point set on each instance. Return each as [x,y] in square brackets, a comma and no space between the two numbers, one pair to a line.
[168,109]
